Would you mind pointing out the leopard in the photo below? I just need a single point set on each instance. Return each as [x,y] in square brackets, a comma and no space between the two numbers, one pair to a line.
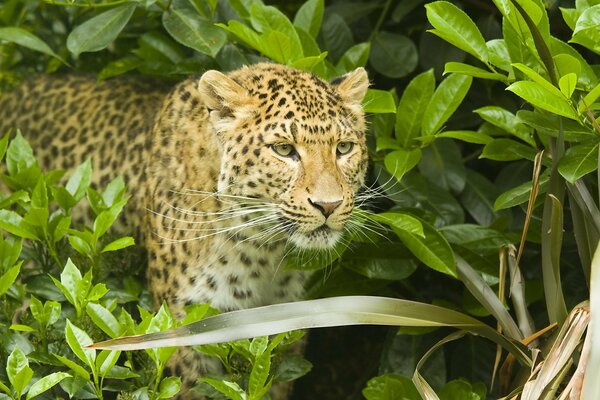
[227,172]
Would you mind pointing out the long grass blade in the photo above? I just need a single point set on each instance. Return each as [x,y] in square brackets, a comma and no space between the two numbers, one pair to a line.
[591,383]
[486,296]
[517,295]
[335,311]
[552,235]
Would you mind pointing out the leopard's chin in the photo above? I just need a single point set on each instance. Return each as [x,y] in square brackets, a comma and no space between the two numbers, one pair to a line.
[322,238]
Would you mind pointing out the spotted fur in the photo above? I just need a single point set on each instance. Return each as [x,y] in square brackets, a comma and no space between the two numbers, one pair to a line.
[208,161]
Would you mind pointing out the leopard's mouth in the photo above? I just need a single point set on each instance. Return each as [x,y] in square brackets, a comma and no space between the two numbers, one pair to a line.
[321,238]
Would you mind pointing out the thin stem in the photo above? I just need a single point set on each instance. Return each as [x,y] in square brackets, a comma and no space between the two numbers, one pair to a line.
[384,12]
[85,5]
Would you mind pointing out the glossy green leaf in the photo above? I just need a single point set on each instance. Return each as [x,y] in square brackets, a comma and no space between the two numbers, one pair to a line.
[99,31]
[412,106]
[432,249]
[378,101]
[442,165]
[169,387]
[399,162]
[18,371]
[76,368]
[106,360]
[507,150]
[257,384]
[519,194]
[478,198]
[80,180]
[399,220]
[13,223]
[27,39]
[46,383]
[194,31]
[119,244]
[393,55]
[103,319]
[475,72]
[456,27]
[539,96]
[9,277]
[589,99]
[567,84]
[578,161]
[445,100]
[230,389]
[19,155]
[356,56]
[310,16]
[462,389]
[77,339]
[390,387]
[507,121]
[336,35]
[466,136]
[587,29]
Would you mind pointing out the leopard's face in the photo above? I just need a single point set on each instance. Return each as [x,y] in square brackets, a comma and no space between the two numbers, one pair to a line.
[293,149]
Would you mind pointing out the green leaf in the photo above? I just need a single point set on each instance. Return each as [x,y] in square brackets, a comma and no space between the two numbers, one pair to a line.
[98,32]
[381,262]
[378,101]
[461,389]
[26,39]
[80,245]
[475,72]
[77,339]
[336,35]
[232,390]
[432,249]
[587,32]
[259,375]
[578,161]
[310,16]
[169,387]
[543,98]
[356,56]
[507,121]
[13,223]
[478,198]
[107,218]
[399,220]
[391,387]
[194,31]
[393,55]
[445,100]
[507,150]
[106,360]
[456,27]
[412,105]
[589,98]
[70,279]
[466,136]
[519,194]
[46,383]
[537,78]
[78,369]
[19,155]
[442,164]
[119,244]
[104,319]
[567,84]
[18,371]
[399,162]
[9,277]
[80,180]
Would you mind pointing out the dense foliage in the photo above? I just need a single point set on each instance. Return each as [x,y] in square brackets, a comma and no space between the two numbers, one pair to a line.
[484,149]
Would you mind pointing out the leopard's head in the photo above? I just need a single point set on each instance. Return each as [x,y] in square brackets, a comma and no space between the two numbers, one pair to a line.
[293,145]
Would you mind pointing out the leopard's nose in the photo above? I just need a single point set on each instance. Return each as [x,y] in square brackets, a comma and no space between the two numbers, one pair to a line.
[325,207]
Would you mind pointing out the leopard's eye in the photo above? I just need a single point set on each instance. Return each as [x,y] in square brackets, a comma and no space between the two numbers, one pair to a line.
[344,148]
[284,149]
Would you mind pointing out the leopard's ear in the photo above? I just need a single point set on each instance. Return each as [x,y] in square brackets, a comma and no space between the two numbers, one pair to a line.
[222,93]
[353,85]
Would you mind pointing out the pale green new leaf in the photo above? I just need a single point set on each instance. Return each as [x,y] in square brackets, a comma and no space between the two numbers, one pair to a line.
[9,277]
[310,16]
[587,29]
[77,339]
[378,102]
[456,27]
[98,32]
[401,161]
[466,136]
[567,84]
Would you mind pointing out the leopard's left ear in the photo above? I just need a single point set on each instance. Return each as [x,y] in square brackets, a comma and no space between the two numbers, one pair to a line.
[353,85]
[221,93]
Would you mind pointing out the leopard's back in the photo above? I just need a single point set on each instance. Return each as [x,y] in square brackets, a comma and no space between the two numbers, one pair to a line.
[69,118]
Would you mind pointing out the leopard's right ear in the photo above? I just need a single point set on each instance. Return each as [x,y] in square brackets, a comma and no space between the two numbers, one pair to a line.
[223,94]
